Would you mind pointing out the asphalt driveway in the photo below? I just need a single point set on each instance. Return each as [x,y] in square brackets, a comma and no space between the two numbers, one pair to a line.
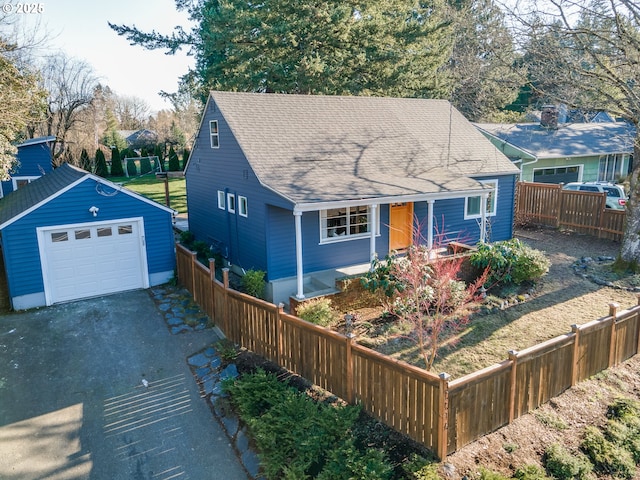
[73,404]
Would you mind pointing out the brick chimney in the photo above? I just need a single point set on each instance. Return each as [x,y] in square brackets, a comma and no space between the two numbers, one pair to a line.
[549,117]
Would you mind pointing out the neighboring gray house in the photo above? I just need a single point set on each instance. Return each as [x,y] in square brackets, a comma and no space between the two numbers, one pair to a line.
[553,152]
[137,139]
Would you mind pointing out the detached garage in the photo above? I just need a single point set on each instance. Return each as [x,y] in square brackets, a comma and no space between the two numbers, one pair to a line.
[71,235]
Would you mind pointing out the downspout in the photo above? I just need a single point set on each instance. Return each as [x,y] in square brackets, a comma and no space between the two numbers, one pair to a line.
[372,239]
[430,224]
[483,217]
[522,165]
[299,272]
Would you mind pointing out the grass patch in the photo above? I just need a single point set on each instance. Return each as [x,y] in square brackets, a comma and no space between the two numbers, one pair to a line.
[153,188]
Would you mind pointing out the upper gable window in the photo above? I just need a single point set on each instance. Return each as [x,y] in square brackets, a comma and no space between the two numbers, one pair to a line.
[473,205]
[213,133]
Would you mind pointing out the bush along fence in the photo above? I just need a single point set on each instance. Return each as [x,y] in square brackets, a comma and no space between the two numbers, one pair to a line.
[583,212]
[434,410]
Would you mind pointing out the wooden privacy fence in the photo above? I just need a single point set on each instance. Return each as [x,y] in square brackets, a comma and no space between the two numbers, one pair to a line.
[442,414]
[583,212]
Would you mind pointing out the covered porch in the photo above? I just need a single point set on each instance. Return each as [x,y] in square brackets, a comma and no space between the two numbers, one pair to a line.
[360,219]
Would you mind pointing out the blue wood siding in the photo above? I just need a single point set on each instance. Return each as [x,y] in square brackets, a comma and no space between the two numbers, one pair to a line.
[20,242]
[449,222]
[242,240]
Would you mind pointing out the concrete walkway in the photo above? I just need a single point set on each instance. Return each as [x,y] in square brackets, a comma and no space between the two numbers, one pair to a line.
[101,389]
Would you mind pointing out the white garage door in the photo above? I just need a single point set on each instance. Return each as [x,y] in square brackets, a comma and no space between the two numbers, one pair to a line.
[92,259]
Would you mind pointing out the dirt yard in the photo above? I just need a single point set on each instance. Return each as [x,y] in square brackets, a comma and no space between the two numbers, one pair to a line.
[561,299]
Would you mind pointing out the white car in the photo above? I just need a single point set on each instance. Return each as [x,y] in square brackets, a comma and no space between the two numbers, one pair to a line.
[616,196]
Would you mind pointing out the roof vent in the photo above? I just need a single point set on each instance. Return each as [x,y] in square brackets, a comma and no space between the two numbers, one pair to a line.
[549,117]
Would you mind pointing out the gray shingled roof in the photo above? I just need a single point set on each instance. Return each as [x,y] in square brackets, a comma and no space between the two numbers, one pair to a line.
[569,140]
[314,148]
[37,191]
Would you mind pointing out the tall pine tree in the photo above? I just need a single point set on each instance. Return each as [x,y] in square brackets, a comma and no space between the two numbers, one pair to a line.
[116,163]
[101,164]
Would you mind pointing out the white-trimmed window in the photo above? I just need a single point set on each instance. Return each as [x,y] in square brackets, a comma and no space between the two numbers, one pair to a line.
[213,133]
[473,205]
[231,203]
[344,223]
[243,209]
[610,167]
[222,204]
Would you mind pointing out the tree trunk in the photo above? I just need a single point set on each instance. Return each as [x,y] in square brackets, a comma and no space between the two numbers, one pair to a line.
[630,249]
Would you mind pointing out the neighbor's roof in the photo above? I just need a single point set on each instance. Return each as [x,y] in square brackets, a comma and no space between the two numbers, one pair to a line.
[29,197]
[316,148]
[568,140]
[36,141]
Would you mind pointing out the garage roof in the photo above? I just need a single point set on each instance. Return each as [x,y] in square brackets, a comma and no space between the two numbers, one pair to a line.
[19,203]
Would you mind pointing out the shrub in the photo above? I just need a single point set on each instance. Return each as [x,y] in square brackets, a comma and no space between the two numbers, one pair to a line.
[101,164]
[253,283]
[202,249]
[174,162]
[187,238]
[298,438]
[132,170]
[530,472]
[510,261]
[116,163]
[145,165]
[485,474]
[606,456]
[561,464]
[317,311]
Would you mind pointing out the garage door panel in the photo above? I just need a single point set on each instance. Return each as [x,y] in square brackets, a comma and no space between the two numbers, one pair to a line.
[91,260]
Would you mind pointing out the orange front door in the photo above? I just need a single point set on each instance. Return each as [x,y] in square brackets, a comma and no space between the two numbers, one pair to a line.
[400,225]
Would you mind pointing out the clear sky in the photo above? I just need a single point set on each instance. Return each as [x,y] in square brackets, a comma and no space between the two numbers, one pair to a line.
[79,28]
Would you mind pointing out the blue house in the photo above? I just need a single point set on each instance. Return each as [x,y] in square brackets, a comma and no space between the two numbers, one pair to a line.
[308,187]
[71,235]
[32,161]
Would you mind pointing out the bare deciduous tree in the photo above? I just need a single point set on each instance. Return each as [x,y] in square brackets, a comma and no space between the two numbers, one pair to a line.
[587,54]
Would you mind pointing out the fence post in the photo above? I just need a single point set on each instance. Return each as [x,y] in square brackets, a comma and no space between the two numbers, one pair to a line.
[443,420]
[212,278]
[638,328]
[513,356]
[613,312]
[349,364]
[194,259]
[279,346]
[576,343]
[225,309]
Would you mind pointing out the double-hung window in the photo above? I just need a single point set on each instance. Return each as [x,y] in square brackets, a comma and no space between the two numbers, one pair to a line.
[345,223]
[213,133]
[610,167]
[473,205]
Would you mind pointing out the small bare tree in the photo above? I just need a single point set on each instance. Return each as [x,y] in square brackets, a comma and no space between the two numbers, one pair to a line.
[432,298]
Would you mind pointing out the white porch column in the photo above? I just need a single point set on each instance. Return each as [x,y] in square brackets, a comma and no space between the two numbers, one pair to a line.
[430,224]
[372,239]
[299,272]
[483,216]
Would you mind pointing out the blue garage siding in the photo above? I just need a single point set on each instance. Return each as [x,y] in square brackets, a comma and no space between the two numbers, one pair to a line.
[33,161]
[242,240]
[20,239]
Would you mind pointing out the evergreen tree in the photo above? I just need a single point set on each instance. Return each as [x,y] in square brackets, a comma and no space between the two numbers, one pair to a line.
[85,161]
[101,164]
[132,170]
[116,163]
[374,47]
[185,158]
[158,152]
[145,165]
[174,162]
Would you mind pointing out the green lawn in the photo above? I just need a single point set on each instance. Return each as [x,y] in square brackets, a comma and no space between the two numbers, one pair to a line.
[154,188]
